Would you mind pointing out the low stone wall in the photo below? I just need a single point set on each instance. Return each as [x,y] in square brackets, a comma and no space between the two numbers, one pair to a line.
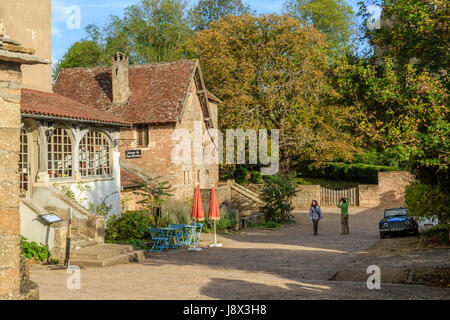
[389,193]
[223,196]
[306,194]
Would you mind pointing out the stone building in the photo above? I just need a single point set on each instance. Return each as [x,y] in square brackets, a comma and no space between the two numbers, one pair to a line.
[65,146]
[14,281]
[157,99]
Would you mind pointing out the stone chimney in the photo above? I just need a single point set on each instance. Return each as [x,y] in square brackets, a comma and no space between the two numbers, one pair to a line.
[120,81]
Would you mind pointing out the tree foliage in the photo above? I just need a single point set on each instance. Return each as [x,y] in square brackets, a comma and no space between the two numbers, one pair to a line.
[335,18]
[207,11]
[277,194]
[271,72]
[412,31]
[83,53]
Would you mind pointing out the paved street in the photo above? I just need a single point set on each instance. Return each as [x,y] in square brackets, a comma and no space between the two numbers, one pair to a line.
[288,263]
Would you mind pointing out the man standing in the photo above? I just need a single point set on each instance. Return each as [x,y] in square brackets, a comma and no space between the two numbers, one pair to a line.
[343,204]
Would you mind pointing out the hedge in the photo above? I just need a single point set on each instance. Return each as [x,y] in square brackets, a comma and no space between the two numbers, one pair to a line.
[363,173]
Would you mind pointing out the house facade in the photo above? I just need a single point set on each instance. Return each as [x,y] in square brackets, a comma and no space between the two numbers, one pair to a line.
[69,152]
[160,100]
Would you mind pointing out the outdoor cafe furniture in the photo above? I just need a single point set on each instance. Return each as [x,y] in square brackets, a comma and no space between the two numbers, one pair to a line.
[159,240]
[175,236]
[197,232]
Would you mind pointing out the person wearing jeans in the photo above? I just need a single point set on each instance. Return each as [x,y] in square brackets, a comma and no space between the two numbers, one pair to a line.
[315,214]
[343,205]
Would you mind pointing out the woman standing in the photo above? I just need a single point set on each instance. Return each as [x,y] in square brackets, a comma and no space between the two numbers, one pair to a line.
[315,214]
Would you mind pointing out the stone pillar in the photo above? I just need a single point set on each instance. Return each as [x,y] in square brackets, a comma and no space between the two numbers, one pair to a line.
[14,282]
[10,83]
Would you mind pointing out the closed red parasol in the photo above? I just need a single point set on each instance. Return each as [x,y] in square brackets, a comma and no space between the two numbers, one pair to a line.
[197,210]
[214,214]
[197,215]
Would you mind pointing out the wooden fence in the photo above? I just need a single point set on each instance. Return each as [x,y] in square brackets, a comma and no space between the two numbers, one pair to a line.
[330,197]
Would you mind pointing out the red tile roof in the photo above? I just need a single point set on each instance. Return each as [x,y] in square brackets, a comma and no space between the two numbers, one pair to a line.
[54,105]
[157,91]
[127,177]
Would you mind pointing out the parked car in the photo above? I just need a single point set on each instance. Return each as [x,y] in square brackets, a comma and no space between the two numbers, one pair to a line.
[397,220]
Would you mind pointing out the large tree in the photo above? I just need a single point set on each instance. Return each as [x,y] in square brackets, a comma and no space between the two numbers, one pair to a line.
[271,72]
[83,53]
[207,11]
[150,31]
[335,18]
[411,31]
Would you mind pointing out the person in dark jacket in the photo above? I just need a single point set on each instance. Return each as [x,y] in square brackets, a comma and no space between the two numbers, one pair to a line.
[315,214]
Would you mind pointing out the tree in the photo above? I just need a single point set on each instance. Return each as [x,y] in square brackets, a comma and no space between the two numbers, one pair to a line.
[399,109]
[412,31]
[277,194]
[207,11]
[150,31]
[83,53]
[270,72]
[153,193]
[335,18]
[153,29]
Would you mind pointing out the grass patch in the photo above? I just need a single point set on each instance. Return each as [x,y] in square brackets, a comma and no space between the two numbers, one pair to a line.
[436,237]
[270,224]
[326,183]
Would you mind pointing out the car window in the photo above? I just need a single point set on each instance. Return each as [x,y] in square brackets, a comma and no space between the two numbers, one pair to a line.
[396,212]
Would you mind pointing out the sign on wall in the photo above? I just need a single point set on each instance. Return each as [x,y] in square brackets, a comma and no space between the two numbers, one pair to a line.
[133,154]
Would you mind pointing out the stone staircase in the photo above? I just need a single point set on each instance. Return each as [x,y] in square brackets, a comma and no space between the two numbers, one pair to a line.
[103,255]
[247,201]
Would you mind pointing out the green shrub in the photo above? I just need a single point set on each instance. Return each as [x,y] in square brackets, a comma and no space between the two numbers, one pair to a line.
[426,200]
[277,194]
[227,221]
[31,250]
[175,212]
[129,226]
[363,173]
[256,177]
[241,175]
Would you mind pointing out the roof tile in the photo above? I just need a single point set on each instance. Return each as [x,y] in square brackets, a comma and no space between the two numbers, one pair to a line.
[51,104]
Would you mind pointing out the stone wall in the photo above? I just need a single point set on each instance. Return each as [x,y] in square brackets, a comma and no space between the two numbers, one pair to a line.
[29,22]
[10,84]
[389,193]
[157,160]
[306,194]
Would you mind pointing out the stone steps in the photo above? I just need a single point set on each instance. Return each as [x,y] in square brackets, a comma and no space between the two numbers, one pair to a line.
[102,255]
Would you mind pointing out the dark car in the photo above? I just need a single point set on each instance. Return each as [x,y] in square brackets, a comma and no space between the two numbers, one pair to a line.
[397,220]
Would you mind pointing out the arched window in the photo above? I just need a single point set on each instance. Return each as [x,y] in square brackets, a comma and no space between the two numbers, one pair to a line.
[60,154]
[23,161]
[94,155]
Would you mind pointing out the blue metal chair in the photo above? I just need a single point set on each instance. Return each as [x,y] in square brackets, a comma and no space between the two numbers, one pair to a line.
[197,232]
[181,235]
[159,240]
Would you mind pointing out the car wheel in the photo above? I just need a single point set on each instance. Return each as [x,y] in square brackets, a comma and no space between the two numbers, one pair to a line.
[382,235]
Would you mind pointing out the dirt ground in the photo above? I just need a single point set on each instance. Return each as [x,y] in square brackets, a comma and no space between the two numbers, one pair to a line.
[288,263]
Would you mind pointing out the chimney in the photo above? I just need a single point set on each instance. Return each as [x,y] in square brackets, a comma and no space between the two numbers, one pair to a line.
[120,82]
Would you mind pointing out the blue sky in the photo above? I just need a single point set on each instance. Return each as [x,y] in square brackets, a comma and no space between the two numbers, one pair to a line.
[70,17]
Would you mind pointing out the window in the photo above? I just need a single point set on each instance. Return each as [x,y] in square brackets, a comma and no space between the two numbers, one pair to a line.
[60,154]
[187,177]
[143,137]
[95,155]
[198,176]
[23,162]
